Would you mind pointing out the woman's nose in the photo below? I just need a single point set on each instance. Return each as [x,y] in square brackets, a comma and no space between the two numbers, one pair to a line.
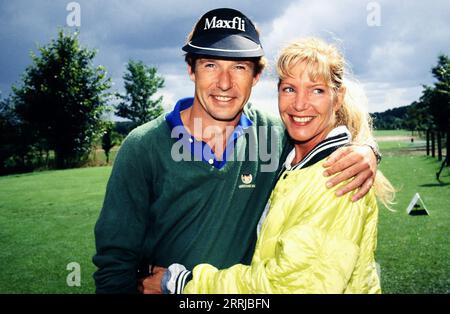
[301,101]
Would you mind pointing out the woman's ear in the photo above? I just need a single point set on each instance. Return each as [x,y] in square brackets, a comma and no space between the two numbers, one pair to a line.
[340,98]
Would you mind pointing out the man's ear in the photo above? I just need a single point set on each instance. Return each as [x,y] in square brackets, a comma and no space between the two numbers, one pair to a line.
[191,73]
[256,78]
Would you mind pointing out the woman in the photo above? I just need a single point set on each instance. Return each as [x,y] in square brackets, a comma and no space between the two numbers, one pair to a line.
[310,241]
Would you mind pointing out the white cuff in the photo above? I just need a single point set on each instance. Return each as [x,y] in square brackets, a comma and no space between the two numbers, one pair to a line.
[177,281]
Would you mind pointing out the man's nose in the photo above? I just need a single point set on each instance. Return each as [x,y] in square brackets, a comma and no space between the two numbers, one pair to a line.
[224,81]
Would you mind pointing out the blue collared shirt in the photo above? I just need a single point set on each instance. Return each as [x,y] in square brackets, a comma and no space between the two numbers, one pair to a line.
[199,149]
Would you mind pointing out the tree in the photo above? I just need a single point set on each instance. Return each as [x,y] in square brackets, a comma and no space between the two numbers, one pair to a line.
[418,117]
[141,83]
[436,100]
[7,124]
[62,98]
[439,95]
[110,139]
[16,140]
[439,100]
[411,121]
[390,119]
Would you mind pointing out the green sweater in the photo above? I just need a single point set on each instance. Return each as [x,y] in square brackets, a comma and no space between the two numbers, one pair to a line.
[162,211]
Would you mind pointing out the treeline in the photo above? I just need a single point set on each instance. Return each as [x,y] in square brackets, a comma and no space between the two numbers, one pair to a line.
[59,112]
[391,119]
[429,115]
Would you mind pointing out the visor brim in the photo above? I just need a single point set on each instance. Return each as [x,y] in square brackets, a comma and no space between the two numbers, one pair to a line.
[233,46]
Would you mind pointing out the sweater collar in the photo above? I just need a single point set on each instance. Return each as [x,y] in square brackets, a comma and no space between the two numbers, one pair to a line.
[337,137]
[173,118]
[199,149]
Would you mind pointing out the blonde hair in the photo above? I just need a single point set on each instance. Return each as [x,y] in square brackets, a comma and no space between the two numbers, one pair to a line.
[324,61]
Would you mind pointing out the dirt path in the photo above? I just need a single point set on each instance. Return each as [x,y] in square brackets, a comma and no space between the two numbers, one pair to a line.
[394,138]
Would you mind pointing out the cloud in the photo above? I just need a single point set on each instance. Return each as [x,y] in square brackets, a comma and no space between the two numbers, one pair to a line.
[386,61]
[380,94]
[264,95]
[398,54]
[392,60]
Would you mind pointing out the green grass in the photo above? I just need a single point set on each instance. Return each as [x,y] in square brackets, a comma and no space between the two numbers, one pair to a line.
[403,147]
[47,220]
[98,156]
[414,251]
[398,143]
[378,133]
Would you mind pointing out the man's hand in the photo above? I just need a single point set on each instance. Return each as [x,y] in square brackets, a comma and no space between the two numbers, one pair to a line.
[355,161]
[152,283]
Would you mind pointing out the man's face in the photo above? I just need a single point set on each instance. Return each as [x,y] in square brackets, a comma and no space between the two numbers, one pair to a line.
[222,87]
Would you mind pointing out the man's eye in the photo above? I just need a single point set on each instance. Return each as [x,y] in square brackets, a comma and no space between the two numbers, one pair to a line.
[209,65]
[241,67]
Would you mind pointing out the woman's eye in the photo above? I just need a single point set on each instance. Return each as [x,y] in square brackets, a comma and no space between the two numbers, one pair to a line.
[318,91]
[288,90]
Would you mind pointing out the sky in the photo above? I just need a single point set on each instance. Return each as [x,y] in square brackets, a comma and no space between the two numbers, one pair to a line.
[390,46]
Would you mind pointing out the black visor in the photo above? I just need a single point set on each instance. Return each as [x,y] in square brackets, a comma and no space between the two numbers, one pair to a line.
[225,33]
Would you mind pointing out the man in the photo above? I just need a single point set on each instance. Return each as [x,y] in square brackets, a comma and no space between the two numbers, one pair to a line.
[203,206]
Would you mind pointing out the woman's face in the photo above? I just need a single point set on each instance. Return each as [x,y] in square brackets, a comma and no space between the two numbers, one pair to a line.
[307,107]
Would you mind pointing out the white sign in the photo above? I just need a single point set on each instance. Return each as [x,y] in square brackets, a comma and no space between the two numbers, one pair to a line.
[413,202]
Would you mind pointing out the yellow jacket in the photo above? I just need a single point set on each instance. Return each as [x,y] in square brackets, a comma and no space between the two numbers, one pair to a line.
[310,242]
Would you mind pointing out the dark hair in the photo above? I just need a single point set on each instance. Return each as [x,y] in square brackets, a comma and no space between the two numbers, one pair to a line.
[259,62]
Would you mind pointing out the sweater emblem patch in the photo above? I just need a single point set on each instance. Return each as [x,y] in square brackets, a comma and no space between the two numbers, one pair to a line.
[246,180]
